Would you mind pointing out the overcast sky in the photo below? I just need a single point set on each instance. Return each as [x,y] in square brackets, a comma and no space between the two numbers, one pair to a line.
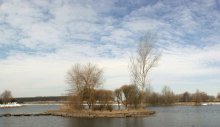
[41,39]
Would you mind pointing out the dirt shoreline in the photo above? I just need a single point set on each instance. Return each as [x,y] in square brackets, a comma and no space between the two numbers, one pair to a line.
[87,114]
[100,114]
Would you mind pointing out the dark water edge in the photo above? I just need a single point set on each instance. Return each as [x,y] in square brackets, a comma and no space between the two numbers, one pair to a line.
[171,116]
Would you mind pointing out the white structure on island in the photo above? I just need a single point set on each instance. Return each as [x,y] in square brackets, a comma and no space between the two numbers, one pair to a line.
[10,105]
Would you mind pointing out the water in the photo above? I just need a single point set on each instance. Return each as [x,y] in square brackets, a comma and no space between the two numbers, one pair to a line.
[175,116]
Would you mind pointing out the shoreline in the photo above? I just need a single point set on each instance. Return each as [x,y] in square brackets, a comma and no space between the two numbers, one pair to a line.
[186,104]
[195,104]
[103,114]
[10,105]
[87,114]
[14,105]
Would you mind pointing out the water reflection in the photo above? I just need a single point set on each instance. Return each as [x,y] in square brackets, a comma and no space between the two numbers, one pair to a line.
[106,122]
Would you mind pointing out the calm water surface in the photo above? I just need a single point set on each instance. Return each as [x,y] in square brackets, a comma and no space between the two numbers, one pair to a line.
[175,116]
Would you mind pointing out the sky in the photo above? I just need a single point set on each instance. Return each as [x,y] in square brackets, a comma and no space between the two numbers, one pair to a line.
[40,40]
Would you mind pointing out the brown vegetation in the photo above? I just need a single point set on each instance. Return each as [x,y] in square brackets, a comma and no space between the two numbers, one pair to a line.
[218,97]
[6,97]
[84,79]
[94,114]
[128,95]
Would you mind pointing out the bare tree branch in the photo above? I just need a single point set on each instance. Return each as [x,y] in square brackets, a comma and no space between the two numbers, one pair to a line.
[146,58]
[83,80]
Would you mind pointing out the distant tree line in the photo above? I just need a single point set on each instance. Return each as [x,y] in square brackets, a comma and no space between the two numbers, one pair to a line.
[6,97]
[42,98]
[168,97]
[129,96]
[197,97]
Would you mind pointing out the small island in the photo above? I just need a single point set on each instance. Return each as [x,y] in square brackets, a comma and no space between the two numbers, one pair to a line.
[97,114]
[86,98]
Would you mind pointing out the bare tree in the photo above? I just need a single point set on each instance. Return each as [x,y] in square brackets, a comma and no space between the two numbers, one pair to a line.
[155,99]
[147,94]
[88,95]
[83,80]
[6,96]
[118,95]
[104,98]
[146,58]
[73,102]
[197,98]
[168,96]
[131,95]
[186,97]
[218,97]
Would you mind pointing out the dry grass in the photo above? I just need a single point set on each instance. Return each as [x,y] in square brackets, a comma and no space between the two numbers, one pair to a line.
[93,114]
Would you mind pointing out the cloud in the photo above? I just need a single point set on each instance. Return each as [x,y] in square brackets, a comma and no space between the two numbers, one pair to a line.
[24,73]
[188,68]
[40,40]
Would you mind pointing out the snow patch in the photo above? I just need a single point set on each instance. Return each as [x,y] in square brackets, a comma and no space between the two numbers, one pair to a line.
[10,105]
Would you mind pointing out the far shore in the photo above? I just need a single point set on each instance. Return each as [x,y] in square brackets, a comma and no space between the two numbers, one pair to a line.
[196,104]
[15,105]
[115,104]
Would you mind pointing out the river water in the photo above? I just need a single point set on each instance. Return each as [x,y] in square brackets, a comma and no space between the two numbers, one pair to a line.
[172,116]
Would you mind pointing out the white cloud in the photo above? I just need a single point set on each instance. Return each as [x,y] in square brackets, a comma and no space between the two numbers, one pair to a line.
[188,68]
[60,33]
[179,67]
[27,73]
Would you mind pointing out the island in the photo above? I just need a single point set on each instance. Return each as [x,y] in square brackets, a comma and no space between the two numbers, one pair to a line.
[97,114]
